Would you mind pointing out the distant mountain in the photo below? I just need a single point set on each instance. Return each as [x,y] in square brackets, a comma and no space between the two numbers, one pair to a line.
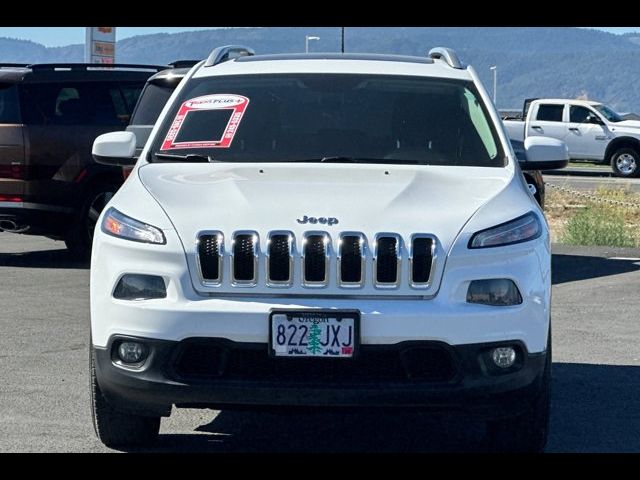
[532,62]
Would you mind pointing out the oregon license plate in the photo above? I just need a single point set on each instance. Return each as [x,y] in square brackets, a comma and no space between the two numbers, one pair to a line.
[328,334]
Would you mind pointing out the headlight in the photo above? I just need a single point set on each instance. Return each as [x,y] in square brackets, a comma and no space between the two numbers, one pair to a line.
[119,225]
[521,229]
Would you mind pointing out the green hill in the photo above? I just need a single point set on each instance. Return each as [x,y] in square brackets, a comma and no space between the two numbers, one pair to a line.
[532,61]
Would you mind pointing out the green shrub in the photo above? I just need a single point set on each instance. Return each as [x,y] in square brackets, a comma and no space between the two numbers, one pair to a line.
[598,225]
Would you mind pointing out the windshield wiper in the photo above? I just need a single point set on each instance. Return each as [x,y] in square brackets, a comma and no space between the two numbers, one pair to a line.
[377,161]
[339,159]
[190,158]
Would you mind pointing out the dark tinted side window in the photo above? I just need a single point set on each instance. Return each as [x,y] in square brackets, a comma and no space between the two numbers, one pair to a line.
[152,101]
[578,114]
[550,113]
[75,103]
[9,107]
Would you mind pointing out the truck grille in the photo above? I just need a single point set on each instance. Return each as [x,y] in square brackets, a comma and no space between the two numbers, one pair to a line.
[356,262]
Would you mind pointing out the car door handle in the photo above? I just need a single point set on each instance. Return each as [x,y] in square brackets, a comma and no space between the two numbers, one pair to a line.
[574,129]
[537,127]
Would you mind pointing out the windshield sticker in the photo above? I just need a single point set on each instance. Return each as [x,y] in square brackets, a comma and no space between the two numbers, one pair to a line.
[191,113]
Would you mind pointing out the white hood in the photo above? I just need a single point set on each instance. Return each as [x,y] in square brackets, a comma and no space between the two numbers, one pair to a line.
[365,198]
[627,124]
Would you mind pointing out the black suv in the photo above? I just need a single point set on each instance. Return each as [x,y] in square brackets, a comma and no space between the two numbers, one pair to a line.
[49,116]
[152,100]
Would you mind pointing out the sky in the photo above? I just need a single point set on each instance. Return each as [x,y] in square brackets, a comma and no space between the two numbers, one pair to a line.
[60,36]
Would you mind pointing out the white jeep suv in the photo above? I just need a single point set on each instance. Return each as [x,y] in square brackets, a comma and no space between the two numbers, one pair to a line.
[323,230]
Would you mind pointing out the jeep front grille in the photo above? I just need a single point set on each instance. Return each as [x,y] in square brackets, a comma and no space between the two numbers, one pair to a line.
[315,259]
[421,259]
[245,258]
[210,253]
[387,260]
[351,258]
[280,259]
[388,263]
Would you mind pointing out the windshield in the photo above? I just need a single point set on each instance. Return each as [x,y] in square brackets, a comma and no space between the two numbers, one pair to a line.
[306,117]
[151,102]
[608,113]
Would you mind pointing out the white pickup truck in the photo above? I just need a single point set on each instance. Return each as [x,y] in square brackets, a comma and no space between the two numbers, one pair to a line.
[592,131]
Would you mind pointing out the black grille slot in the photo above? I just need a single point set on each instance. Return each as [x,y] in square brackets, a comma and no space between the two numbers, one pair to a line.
[209,256]
[204,359]
[351,259]
[279,258]
[244,257]
[315,252]
[421,260]
[387,260]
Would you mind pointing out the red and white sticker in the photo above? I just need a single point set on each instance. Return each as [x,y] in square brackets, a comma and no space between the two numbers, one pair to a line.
[220,101]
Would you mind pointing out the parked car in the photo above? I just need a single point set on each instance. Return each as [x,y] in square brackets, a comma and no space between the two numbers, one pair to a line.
[272,248]
[50,115]
[592,131]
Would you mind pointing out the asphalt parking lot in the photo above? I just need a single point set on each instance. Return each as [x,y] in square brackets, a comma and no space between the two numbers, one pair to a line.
[44,398]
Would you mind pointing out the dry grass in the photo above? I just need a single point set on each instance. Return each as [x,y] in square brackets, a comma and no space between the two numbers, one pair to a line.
[581,221]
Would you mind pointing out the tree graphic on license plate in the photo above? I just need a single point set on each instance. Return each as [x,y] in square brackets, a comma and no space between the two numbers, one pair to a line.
[314,339]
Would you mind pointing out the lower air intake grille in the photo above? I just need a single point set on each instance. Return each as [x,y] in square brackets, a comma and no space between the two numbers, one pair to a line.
[209,359]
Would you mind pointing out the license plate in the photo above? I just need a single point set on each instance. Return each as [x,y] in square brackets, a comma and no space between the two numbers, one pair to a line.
[330,334]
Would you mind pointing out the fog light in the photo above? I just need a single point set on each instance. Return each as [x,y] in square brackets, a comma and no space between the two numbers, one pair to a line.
[131,352]
[503,357]
[140,287]
[494,291]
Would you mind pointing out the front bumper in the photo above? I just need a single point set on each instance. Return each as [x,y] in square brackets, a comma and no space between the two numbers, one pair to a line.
[233,374]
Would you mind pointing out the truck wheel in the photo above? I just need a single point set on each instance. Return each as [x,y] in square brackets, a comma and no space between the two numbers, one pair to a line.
[79,239]
[625,162]
[528,431]
[114,428]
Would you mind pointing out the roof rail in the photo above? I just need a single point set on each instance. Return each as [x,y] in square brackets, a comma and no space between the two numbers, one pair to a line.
[19,65]
[222,54]
[446,54]
[183,63]
[87,66]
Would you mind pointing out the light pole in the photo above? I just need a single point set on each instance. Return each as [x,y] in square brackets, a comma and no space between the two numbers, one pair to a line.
[495,83]
[306,41]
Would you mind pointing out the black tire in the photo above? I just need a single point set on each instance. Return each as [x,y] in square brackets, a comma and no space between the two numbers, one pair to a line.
[528,431]
[80,237]
[625,163]
[116,429]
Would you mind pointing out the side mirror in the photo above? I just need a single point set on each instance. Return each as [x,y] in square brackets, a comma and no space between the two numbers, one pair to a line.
[115,148]
[545,153]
